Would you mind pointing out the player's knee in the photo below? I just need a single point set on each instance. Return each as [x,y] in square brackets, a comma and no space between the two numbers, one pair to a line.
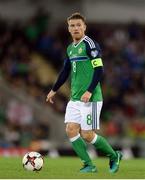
[87,135]
[71,131]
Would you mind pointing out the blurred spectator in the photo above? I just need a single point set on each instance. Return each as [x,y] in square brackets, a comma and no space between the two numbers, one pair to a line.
[18,113]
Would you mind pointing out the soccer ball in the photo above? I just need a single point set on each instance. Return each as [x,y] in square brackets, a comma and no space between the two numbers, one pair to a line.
[33,161]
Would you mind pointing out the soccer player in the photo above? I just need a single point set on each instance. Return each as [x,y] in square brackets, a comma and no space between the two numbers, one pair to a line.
[82,115]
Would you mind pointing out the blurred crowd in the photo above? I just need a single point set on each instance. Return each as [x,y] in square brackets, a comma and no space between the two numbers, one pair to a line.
[123,84]
[20,43]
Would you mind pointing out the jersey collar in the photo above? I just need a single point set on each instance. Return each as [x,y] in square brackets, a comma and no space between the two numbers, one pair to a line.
[75,45]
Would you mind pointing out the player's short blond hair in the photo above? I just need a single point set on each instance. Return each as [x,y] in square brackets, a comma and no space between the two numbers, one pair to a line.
[77,15]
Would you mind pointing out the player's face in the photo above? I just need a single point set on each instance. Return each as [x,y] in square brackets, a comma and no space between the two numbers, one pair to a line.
[76,28]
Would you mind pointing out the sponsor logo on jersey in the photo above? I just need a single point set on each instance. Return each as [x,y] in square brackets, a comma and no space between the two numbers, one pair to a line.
[94,53]
[70,52]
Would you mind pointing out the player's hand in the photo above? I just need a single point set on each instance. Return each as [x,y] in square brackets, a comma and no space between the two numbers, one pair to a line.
[86,96]
[50,96]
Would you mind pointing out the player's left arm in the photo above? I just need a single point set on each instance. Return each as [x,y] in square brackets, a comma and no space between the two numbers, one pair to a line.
[96,61]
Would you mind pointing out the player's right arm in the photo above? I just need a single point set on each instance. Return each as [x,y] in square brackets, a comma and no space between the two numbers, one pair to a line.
[64,74]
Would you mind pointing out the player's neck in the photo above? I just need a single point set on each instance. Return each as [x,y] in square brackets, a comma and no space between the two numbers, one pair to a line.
[76,41]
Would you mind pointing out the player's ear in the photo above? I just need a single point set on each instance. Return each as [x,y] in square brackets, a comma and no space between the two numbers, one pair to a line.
[68,26]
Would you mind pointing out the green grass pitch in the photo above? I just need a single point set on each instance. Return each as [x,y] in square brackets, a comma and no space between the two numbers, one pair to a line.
[68,168]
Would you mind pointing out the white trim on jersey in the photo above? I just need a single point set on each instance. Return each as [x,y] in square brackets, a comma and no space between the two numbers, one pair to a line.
[90,42]
[79,42]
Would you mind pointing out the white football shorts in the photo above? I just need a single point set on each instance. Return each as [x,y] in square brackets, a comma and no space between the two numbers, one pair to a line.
[85,114]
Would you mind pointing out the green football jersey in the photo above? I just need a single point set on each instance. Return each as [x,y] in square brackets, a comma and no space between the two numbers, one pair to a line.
[84,57]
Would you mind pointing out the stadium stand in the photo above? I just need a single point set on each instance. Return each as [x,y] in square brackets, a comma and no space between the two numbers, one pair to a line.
[30,59]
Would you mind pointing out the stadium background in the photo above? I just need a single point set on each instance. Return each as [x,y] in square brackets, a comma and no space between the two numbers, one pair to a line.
[33,38]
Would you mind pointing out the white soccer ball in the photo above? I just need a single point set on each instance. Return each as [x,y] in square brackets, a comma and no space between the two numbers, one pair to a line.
[33,161]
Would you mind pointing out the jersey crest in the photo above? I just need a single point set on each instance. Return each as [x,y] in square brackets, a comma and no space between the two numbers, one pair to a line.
[80,50]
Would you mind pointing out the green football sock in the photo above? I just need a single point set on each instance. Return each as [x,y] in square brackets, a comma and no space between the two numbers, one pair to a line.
[80,148]
[102,145]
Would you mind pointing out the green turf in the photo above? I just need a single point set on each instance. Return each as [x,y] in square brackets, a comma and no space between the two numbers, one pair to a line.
[67,168]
